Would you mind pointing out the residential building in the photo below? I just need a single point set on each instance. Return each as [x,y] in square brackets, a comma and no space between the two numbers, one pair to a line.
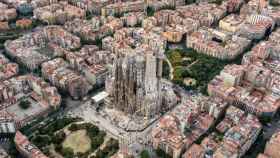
[272,146]
[32,49]
[231,23]
[6,13]
[253,88]
[177,131]
[8,126]
[238,139]
[58,13]
[26,148]
[3,153]
[95,28]
[7,68]
[195,151]
[206,13]
[217,43]
[122,7]
[58,72]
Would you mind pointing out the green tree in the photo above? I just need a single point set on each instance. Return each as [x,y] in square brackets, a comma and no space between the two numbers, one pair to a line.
[178,71]
[218,2]
[265,119]
[73,127]
[89,15]
[24,104]
[12,149]
[98,41]
[175,58]
[144,154]
[274,3]
[165,70]
[100,154]
[59,137]
[187,130]
[112,146]
[67,152]
[150,11]
[93,131]
[160,153]
[58,147]
[46,150]
[96,142]
[190,1]
[41,140]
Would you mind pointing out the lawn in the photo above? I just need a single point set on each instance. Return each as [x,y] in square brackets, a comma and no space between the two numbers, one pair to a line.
[201,68]
[78,141]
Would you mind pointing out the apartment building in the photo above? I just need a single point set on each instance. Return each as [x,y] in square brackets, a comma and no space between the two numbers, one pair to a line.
[58,13]
[26,148]
[177,131]
[7,68]
[7,13]
[252,87]
[32,49]
[58,72]
[217,43]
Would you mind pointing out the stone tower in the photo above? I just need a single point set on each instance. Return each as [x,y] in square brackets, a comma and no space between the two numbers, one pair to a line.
[135,83]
